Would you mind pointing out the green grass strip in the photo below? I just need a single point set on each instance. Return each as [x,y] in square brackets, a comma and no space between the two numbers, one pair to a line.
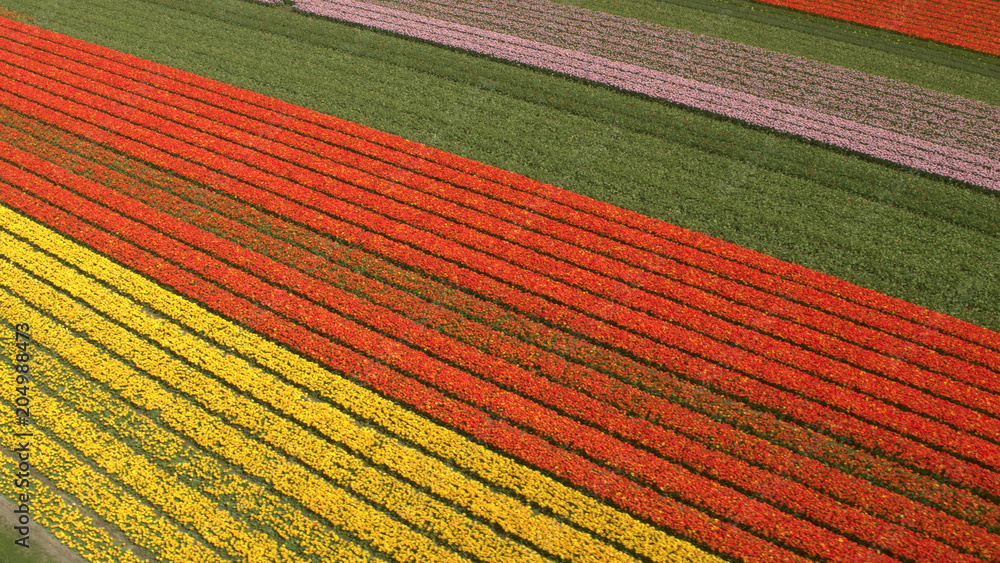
[929,241]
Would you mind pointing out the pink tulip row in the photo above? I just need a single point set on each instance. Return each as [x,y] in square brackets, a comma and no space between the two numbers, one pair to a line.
[880,143]
[872,100]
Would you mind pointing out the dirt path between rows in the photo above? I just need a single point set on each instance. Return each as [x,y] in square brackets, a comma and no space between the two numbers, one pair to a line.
[41,544]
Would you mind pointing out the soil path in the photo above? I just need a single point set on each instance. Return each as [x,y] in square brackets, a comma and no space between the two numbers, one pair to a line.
[41,544]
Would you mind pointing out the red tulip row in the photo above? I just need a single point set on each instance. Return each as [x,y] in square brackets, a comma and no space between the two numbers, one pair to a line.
[780,491]
[669,334]
[639,500]
[740,264]
[961,17]
[876,501]
[183,83]
[294,152]
[807,411]
[966,24]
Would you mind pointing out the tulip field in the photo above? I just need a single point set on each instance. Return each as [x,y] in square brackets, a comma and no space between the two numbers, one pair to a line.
[406,280]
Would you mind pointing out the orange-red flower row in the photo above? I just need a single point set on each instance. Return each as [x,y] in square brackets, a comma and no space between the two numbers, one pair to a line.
[595,383]
[965,23]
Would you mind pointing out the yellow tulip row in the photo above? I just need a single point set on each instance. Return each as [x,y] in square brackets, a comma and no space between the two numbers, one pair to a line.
[497,470]
[186,505]
[197,423]
[219,480]
[142,523]
[413,506]
[61,519]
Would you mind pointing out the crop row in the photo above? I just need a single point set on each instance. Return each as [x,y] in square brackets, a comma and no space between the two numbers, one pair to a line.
[492,469]
[493,342]
[551,267]
[966,23]
[594,214]
[955,15]
[199,467]
[788,118]
[464,419]
[271,510]
[720,468]
[398,151]
[306,343]
[250,501]
[234,253]
[665,334]
[277,468]
[864,98]
[692,454]
[186,505]
[110,500]
[63,519]
[330,422]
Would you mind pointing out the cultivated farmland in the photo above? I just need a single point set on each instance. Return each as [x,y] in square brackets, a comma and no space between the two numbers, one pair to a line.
[240,329]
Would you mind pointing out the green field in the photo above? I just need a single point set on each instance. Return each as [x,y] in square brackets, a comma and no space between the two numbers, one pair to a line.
[10,553]
[929,241]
